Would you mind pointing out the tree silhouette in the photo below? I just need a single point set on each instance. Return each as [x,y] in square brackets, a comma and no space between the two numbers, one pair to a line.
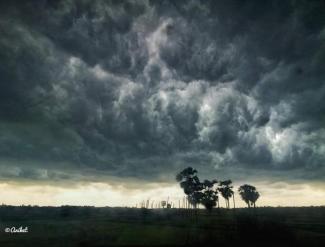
[255,195]
[198,192]
[191,185]
[249,194]
[225,188]
[209,195]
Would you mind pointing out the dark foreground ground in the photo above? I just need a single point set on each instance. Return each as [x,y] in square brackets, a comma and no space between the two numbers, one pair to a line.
[88,226]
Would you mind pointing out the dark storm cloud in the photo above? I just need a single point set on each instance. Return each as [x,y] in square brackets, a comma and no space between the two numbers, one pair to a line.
[144,88]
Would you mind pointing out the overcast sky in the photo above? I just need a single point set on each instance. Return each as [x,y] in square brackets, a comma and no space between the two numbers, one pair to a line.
[131,92]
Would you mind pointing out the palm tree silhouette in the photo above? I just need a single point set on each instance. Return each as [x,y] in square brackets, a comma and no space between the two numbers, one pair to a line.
[255,195]
[249,194]
[225,188]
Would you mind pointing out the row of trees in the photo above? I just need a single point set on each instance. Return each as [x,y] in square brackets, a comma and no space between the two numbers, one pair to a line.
[207,192]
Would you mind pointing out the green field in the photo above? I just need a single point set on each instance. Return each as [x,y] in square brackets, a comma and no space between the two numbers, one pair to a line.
[89,226]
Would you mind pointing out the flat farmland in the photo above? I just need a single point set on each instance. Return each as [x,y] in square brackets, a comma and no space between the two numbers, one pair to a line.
[91,226]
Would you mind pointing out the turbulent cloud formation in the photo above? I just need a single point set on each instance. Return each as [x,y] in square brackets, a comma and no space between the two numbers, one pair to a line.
[144,88]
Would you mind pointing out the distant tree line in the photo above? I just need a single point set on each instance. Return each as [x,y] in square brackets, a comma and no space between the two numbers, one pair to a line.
[207,192]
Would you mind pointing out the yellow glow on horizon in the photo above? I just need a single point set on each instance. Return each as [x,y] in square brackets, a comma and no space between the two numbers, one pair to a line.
[102,194]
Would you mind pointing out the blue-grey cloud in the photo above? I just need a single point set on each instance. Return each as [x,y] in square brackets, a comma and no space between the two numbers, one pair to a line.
[145,88]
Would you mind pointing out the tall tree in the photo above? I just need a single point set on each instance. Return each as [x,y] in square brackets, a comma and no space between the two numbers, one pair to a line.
[209,195]
[226,191]
[249,194]
[255,195]
[190,183]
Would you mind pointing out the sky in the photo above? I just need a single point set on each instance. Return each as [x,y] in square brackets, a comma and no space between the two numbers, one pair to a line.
[103,102]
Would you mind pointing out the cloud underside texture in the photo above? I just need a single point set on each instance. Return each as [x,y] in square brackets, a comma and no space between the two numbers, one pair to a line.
[145,88]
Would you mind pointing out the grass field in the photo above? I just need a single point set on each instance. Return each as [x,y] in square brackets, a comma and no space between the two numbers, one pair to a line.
[89,226]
